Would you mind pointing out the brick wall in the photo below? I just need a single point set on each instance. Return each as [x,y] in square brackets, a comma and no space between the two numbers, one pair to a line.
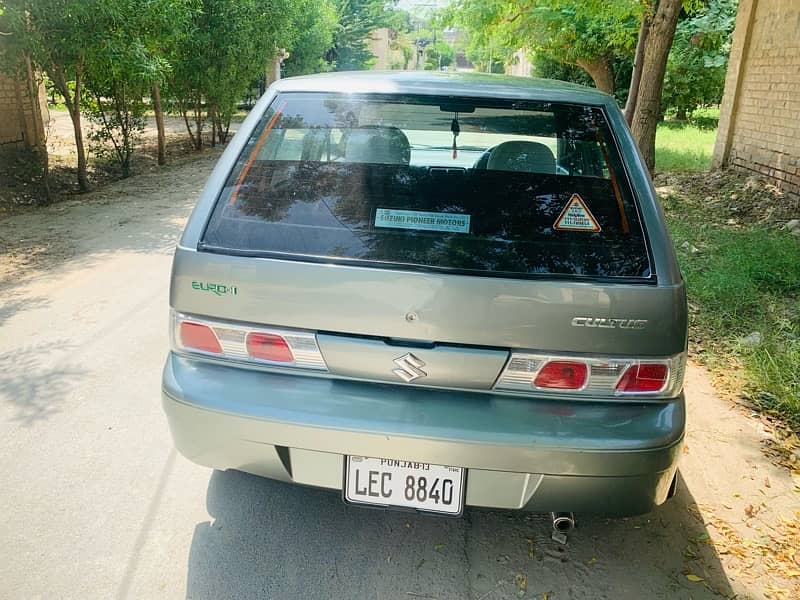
[17,126]
[760,114]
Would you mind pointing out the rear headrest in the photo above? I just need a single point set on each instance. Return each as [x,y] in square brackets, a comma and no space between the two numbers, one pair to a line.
[314,144]
[523,157]
[382,145]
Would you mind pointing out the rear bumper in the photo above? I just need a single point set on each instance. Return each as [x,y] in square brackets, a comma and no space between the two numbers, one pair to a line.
[540,455]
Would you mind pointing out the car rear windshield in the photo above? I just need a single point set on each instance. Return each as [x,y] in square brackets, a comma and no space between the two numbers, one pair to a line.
[475,186]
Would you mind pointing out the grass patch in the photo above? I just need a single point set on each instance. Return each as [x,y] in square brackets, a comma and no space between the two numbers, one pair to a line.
[743,280]
[684,147]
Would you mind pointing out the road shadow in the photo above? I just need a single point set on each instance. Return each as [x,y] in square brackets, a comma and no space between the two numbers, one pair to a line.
[14,302]
[33,383]
[273,540]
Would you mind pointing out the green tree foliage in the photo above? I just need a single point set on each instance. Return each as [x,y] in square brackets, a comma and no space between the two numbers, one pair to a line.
[357,19]
[575,34]
[548,68]
[122,64]
[230,44]
[438,55]
[585,33]
[105,57]
[316,22]
[491,40]
[698,60]
[489,59]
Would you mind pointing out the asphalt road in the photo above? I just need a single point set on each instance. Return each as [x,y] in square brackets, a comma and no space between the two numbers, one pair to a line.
[97,504]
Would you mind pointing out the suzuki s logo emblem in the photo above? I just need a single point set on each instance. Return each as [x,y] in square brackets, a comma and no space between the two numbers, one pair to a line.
[409,368]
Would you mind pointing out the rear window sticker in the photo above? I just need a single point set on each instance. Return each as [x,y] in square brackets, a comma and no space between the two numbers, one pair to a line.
[576,216]
[422,220]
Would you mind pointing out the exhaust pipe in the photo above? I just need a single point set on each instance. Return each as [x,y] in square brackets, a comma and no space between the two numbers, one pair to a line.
[563,521]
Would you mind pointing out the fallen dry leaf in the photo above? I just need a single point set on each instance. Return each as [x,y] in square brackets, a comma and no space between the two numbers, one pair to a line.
[694,578]
[751,510]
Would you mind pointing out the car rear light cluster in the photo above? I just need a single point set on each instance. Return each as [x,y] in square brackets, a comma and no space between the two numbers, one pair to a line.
[246,343]
[593,378]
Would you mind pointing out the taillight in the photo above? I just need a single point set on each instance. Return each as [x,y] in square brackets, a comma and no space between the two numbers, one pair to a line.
[268,346]
[593,377]
[196,336]
[643,378]
[246,343]
[562,375]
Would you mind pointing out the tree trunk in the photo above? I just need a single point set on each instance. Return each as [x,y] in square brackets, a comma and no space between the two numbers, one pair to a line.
[185,114]
[101,109]
[222,135]
[126,129]
[599,69]
[654,66]
[73,102]
[212,116]
[273,70]
[198,119]
[41,142]
[638,63]
[155,94]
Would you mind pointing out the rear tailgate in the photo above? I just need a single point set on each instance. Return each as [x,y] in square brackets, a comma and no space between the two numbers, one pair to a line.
[362,220]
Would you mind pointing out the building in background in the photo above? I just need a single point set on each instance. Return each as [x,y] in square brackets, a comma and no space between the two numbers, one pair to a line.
[22,115]
[520,64]
[759,128]
[388,54]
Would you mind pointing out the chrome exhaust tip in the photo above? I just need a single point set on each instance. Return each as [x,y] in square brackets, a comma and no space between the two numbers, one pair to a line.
[563,521]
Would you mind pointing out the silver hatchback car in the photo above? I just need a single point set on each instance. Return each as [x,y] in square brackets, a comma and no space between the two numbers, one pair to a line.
[432,291]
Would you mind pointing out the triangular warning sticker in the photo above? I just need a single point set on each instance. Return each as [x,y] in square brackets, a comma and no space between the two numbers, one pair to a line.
[576,216]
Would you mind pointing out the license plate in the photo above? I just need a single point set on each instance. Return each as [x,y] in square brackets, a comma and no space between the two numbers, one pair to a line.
[403,483]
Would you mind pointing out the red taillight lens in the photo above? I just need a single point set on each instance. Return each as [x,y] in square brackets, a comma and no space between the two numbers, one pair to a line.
[267,346]
[199,337]
[562,375]
[647,377]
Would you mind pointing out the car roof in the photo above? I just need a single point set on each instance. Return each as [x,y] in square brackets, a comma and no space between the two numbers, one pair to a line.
[435,83]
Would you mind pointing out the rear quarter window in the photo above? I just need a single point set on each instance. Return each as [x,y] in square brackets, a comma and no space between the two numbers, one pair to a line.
[457,185]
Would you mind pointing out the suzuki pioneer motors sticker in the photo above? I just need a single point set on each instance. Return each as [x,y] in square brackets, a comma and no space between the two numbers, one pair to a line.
[423,220]
[576,216]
